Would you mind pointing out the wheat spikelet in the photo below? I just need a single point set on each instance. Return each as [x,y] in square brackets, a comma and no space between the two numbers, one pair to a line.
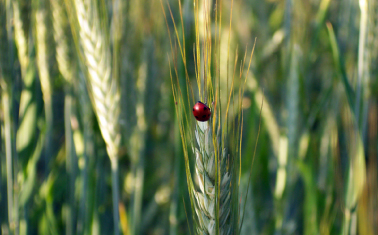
[104,89]
[206,152]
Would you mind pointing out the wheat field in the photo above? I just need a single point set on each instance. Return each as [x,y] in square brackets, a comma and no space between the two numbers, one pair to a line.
[98,134]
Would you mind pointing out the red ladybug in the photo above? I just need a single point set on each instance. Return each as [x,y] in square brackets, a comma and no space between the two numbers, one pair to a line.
[201,112]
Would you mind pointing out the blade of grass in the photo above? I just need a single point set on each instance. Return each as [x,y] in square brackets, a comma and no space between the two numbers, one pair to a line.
[339,64]
[310,201]
[253,158]
[361,75]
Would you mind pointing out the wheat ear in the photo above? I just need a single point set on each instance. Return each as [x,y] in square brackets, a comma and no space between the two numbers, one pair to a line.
[214,203]
[208,151]
[104,89]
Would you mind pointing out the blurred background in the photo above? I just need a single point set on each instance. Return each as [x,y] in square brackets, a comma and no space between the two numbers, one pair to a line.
[314,65]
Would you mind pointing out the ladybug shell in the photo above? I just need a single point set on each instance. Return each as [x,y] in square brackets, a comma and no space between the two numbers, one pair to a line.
[201,112]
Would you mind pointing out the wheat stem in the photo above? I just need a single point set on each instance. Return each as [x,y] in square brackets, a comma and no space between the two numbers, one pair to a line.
[115,194]
[8,154]
[70,165]
[86,203]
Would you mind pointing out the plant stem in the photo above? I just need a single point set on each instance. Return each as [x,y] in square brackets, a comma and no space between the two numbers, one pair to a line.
[361,58]
[88,187]
[138,193]
[115,193]
[49,128]
[70,164]
[173,214]
[8,155]
[7,107]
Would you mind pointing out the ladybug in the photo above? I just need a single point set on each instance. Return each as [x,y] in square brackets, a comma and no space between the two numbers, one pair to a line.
[201,112]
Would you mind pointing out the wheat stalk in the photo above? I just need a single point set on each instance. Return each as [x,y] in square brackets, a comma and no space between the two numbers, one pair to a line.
[103,87]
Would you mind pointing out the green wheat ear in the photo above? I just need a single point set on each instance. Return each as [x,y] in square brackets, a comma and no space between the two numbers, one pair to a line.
[215,143]
[104,89]
[208,147]
[91,28]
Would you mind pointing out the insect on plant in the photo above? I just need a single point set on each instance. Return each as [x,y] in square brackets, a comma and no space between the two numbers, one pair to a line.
[216,141]
[201,112]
